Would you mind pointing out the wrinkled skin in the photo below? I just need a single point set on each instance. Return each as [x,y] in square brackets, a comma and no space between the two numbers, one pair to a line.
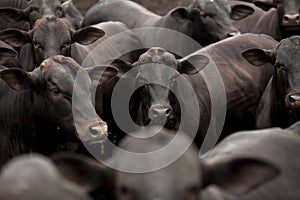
[279,105]
[204,21]
[42,103]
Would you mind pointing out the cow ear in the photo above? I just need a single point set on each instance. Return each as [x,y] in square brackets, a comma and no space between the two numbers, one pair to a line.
[180,14]
[7,55]
[239,175]
[239,12]
[259,57]
[85,172]
[193,64]
[87,35]
[15,37]
[264,5]
[2,68]
[13,15]
[16,78]
[101,74]
[122,65]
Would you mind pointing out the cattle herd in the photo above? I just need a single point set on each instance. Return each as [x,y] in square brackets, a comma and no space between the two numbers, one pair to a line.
[221,73]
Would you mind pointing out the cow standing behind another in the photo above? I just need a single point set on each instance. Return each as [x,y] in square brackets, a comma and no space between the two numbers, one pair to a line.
[36,107]
[204,21]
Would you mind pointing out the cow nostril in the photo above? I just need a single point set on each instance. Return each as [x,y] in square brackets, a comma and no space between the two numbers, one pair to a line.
[297,18]
[168,111]
[232,34]
[294,98]
[286,18]
[94,131]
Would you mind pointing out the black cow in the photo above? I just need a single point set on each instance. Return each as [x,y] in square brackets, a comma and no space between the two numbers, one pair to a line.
[35,177]
[33,116]
[50,36]
[246,165]
[282,22]
[37,9]
[243,85]
[204,21]
[280,102]
[118,39]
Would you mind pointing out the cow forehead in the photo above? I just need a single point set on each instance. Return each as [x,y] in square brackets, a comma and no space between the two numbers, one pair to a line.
[288,50]
[44,3]
[158,64]
[50,23]
[212,4]
[60,67]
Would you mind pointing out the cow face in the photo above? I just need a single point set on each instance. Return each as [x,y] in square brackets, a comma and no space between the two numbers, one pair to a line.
[286,83]
[49,37]
[181,180]
[289,15]
[212,18]
[52,88]
[35,10]
[157,79]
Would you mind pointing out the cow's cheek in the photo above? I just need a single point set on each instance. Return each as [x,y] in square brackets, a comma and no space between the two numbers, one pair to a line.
[62,111]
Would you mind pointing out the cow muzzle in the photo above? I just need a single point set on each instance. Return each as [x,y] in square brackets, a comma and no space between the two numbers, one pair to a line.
[291,20]
[293,100]
[159,112]
[95,133]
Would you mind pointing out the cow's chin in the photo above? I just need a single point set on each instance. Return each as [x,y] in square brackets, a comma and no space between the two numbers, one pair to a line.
[288,31]
[293,114]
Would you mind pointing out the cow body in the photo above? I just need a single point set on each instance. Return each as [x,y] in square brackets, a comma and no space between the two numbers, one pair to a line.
[185,20]
[117,40]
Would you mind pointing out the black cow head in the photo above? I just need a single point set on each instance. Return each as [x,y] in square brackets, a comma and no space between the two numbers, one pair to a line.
[212,18]
[35,10]
[50,36]
[157,73]
[289,16]
[52,95]
[185,178]
[286,82]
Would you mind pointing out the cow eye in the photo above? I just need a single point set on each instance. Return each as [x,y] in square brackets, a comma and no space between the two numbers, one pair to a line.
[194,190]
[141,80]
[56,91]
[59,8]
[173,84]
[33,9]
[66,44]
[37,44]
[280,66]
